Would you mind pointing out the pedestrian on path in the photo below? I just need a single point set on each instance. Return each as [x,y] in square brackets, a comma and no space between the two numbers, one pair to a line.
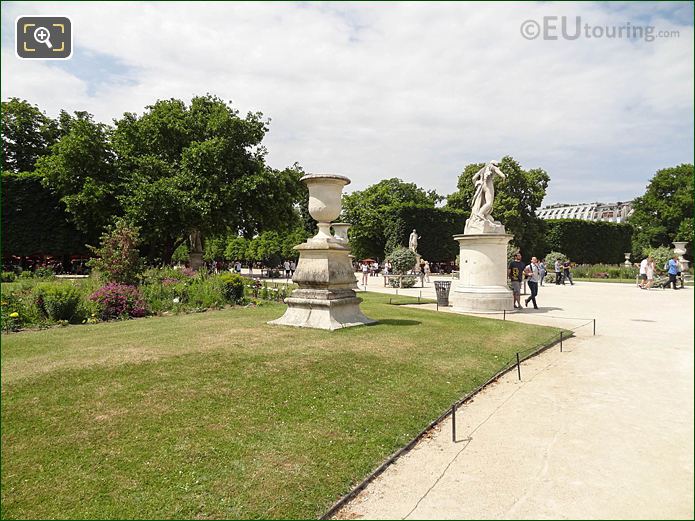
[567,267]
[533,273]
[558,272]
[365,274]
[544,270]
[516,273]
[673,270]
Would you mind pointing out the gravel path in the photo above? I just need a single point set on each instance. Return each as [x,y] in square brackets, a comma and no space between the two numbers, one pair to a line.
[601,430]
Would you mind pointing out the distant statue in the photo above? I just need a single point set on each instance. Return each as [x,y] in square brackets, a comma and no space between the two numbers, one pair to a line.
[481,220]
[412,241]
[195,243]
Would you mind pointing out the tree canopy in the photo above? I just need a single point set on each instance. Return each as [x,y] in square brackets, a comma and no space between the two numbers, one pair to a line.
[665,212]
[27,134]
[173,169]
[516,199]
[366,210]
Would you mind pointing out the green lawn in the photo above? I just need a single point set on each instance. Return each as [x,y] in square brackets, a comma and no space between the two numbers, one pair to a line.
[219,415]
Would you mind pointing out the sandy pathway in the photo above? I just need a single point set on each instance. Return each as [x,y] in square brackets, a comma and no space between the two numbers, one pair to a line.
[602,430]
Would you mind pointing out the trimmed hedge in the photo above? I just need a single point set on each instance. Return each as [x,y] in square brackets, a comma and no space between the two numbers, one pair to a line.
[589,242]
[34,221]
[436,226]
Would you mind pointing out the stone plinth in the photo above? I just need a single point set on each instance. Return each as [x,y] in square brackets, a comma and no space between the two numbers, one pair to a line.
[195,259]
[325,298]
[482,285]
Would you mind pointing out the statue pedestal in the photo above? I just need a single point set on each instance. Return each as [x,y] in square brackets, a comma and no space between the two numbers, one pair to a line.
[195,259]
[482,285]
[326,298]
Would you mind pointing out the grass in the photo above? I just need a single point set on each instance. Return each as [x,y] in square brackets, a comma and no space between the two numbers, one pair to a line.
[220,415]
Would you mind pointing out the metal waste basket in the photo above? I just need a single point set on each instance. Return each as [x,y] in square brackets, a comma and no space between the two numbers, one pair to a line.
[442,288]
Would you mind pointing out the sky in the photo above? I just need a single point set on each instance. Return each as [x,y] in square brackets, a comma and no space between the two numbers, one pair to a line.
[410,90]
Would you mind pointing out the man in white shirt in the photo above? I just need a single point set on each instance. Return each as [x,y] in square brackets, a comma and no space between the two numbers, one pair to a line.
[643,272]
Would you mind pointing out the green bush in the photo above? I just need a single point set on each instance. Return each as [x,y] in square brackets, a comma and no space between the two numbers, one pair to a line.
[60,302]
[206,292]
[233,287]
[26,275]
[44,273]
[8,276]
[402,260]
[408,282]
[550,259]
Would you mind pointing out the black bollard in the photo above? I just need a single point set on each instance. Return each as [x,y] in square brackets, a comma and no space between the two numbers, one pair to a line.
[561,341]
[453,423]
[518,366]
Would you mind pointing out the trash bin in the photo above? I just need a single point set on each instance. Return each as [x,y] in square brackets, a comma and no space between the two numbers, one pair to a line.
[442,288]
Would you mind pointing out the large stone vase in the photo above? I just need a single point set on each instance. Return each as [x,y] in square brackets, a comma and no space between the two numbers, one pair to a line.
[326,296]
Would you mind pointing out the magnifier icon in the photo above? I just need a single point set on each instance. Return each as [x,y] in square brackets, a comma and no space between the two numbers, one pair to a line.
[42,35]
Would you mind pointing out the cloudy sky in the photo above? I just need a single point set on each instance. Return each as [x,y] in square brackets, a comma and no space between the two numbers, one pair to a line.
[409,90]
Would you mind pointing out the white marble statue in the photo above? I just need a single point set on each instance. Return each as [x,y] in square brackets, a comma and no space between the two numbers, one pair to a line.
[412,241]
[481,220]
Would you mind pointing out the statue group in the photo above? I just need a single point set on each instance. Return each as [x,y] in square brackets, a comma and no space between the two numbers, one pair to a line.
[481,220]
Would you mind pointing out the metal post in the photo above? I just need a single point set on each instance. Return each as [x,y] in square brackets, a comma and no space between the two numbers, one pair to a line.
[594,327]
[518,366]
[453,423]
[389,300]
[561,341]
[504,314]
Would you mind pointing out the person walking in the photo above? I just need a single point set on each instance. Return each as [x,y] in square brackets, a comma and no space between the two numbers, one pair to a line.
[673,271]
[544,271]
[293,267]
[286,265]
[365,274]
[566,267]
[643,273]
[516,273]
[533,273]
[651,268]
[558,272]
[427,272]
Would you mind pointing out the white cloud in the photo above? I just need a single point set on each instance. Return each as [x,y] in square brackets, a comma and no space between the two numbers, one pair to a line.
[408,90]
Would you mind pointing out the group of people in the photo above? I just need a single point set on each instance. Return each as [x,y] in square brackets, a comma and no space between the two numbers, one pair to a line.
[563,272]
[534,272]
[371,269]
[647,270]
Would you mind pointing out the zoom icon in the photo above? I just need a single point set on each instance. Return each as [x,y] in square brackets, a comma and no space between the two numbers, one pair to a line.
[43,37]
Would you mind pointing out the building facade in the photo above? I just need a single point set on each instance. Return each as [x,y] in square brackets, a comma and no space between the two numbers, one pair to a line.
[610,212]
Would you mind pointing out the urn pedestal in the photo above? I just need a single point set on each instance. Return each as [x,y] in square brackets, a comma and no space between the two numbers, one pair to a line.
[326,296]
[195,259]
[482,285]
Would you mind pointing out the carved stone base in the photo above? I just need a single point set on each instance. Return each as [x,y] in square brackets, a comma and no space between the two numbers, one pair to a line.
[196,260]
[323,314]
[325,298]
[482,285]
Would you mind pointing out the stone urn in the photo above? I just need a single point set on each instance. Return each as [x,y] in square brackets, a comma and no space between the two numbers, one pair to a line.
[627,259]
[325,298]
[680,249]
[341,231]
[325,191]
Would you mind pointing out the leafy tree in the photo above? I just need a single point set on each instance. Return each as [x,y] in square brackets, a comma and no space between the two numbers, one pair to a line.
[81,169]
[516,199]
[201,167]
[27,134]
[236,248]
[365,210]
[665,212]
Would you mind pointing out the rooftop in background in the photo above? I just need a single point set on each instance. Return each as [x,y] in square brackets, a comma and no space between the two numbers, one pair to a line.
[610,212]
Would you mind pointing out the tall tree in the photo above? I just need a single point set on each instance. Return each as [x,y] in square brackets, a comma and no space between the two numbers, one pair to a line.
[516,199]
[81,170]
[27,134]
[665,212]
[366,211]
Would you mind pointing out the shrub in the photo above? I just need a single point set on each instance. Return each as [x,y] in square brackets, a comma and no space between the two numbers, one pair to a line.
[205,292]
[118,301]
[44,272]
[408,282]
[118,257]
[551,258]
[8,276]
[233,287]
[661,256]
[59,302]
[402,260]
[26,275]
